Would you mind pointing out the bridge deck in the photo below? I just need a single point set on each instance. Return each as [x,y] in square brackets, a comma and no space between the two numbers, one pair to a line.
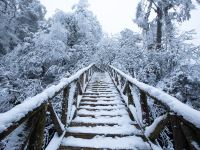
[102,120]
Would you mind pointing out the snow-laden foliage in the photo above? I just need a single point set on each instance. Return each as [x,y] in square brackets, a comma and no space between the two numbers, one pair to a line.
[157,19]
[19,19]
[36,53]
[61,44]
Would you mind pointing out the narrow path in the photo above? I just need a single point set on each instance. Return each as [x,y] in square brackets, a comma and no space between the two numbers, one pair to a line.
[102,120]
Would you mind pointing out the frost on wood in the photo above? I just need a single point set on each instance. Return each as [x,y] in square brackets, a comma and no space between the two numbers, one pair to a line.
[19,111]
[154,126]
[172,103]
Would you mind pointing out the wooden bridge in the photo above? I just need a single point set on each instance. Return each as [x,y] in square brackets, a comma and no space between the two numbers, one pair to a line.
[103,109]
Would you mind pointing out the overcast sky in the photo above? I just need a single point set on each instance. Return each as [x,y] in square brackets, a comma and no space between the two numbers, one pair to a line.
[115,15]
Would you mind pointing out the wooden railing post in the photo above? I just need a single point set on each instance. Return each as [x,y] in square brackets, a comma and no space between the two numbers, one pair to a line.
[81,80]
[127,92]
[144,107]
[86,77]
[180,142]
[37,135]
[79,87]
[90,73]
[77,92]
[65,105]
[116,79]
[190,135]
[54,119]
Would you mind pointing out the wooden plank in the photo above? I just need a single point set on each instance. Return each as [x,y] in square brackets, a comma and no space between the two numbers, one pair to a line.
[116,79]
[37,135]
[191,136]
[55,119]
[160,126]
[79,87]
[65,105]
[144,107]
[180,142]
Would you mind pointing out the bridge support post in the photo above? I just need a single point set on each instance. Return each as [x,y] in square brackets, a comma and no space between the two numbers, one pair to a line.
[129,94]
[144,107]
[65,105]
[37,134]
[180,141]
[86,77]
[116,79]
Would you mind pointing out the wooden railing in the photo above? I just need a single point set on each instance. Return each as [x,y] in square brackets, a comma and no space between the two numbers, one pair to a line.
[180,118]
[34,110]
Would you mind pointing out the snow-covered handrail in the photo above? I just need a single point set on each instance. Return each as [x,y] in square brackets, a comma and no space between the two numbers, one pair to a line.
[11,119]
[182,117]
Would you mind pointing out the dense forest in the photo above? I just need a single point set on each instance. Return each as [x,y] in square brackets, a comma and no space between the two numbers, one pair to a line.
[36,52]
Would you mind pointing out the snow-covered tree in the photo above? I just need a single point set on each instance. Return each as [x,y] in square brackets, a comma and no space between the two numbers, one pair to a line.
[163,12]
[19,19]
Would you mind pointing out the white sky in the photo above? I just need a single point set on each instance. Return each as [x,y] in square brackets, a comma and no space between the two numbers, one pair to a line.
[115,15]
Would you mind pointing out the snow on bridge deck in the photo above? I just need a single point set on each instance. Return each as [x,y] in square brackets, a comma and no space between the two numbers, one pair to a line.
[102,120]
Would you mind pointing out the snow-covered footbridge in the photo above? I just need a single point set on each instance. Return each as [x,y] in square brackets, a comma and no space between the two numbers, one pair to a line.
[102,109]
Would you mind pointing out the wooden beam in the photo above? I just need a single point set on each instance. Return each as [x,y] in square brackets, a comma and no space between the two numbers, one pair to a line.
[65,105]
[80,88]
[37,136]
[191,136]
[55,119]
[180,141]
[144,107]
[159,127]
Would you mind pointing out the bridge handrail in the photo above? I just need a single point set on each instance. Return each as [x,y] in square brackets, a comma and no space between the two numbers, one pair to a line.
[11,119]
[181,118]
[172,103]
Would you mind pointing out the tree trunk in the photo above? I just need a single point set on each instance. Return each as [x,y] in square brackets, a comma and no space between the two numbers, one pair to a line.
[159,27]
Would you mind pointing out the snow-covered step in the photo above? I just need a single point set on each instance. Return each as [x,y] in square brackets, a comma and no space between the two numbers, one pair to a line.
[102,112]
[114,102]
[101,98]
[104,107]
[107,109]
[95,100]
[125,129]
[99,93]
[104,119]
[94,116]
[98,105]
[92,135]
[81,124]
[102,142]
[86,124]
